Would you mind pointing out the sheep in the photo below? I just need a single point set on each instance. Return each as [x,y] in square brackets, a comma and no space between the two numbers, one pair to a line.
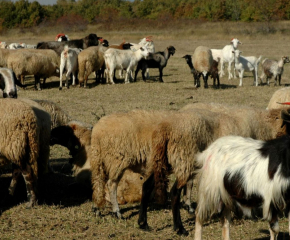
[8,82]
[61,37]
[90,60]
[31,63]
[3,45]
[177,139]
[83,43]
[251,173]
[76,136]
[278,98]
[3,57]
[213,71]
[246,64]
[125,143]
[25,133]
[155,60]
[15,45]
[202,62]
[227,56]
[273,68]
[69,62]
[123,59]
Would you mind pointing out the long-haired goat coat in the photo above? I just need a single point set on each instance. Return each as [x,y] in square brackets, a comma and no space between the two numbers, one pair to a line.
[251,173]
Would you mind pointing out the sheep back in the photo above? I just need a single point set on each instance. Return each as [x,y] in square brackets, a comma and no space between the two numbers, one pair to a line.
[280,96]
[202,59]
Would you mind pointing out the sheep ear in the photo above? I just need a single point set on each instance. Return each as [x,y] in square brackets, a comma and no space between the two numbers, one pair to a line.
[61,135]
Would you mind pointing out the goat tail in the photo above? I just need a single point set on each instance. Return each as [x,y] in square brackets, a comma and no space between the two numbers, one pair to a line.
[99,179]
[160,164]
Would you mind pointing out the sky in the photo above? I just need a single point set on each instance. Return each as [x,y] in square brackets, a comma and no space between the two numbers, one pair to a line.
[42,2]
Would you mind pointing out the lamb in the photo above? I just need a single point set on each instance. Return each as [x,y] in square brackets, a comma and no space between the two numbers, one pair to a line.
[228,56]
[25,130]
[278,98]
[76,136]
[90,60]
[69,62]
[273,68]
[202,62]
[31,63]
[123,59]
[155,60]
[195,128]
[246,64]
[83,43]
[213,71]
[8,82]
[251,173]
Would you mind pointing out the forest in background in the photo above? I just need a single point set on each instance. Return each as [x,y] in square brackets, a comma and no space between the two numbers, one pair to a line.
[76,15]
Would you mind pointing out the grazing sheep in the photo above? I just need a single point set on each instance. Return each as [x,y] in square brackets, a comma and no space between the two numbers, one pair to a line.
[195,128]
[120,142]
[246,64]
[202,62]
[69,62]
[90,60]
[24,128]
[251,173]
[31,63]
[8,82]
[155,60]
[76,137]
[273,68]
[280,96]
[228,56]
[213,71]
[83,43]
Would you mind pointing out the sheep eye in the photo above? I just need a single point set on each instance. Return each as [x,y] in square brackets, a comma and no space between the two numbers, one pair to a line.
[142,49]
[141,178]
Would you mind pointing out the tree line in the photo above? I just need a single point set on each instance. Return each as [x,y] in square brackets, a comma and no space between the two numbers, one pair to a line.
[24,14]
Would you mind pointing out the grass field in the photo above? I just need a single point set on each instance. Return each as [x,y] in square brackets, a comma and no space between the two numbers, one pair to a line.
[64,210]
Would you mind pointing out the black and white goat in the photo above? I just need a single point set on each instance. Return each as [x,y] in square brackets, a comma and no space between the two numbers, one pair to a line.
[155,60]
[245,172]
[214,73]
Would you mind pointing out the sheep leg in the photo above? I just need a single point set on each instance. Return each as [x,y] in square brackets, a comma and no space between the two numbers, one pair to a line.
[225,220]
[187,190]
[221,72]
[274,225]
[160,75]
[147,73]
[113,197]
[37,83]
[136,72]
[255,77]
[67,77]
[205,77]
[229,70]
[241,74]
[279,79]
[175,200]
[30,182]
[147,189]
[198,228]
[16,173]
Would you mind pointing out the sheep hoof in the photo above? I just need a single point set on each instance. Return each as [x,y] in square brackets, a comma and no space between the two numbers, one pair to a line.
[182,231]
[60,88]
[96,211]
[117,215]
[144,226]
[30,204]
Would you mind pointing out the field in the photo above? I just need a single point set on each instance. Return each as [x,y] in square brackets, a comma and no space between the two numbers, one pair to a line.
[64,209]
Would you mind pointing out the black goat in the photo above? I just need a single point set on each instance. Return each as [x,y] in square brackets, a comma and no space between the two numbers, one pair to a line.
[196,75]
[155,60]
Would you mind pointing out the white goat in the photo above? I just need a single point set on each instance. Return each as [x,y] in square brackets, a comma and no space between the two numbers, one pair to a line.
[123,59]
[246,64]
[227,56]
[69,62]
[16,45]
[273,68]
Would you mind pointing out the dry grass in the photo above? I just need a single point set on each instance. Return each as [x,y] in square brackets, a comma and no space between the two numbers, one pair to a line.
[64,210]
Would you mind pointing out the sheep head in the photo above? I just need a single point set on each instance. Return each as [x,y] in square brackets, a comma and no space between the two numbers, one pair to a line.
[285,59]
[171,50]
[235,42]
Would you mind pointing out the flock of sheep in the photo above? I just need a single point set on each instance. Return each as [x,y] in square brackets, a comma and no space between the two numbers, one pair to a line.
[238,155]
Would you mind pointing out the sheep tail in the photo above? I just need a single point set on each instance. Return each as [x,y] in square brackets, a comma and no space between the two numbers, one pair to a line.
[160,164]
[99,180]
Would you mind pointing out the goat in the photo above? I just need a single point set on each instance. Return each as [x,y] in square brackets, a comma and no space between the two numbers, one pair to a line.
[248,64]
[228,56]
[244,172]
[155,60]
[273,68]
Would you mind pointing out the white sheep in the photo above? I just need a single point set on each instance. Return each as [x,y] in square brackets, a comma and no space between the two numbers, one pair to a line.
[246,64]
[246,173]
[32,63]
[202,62]
[69,62]
[123,59]
[273,68]
[278,98]
[228,56]
[25,142]
[90,60]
